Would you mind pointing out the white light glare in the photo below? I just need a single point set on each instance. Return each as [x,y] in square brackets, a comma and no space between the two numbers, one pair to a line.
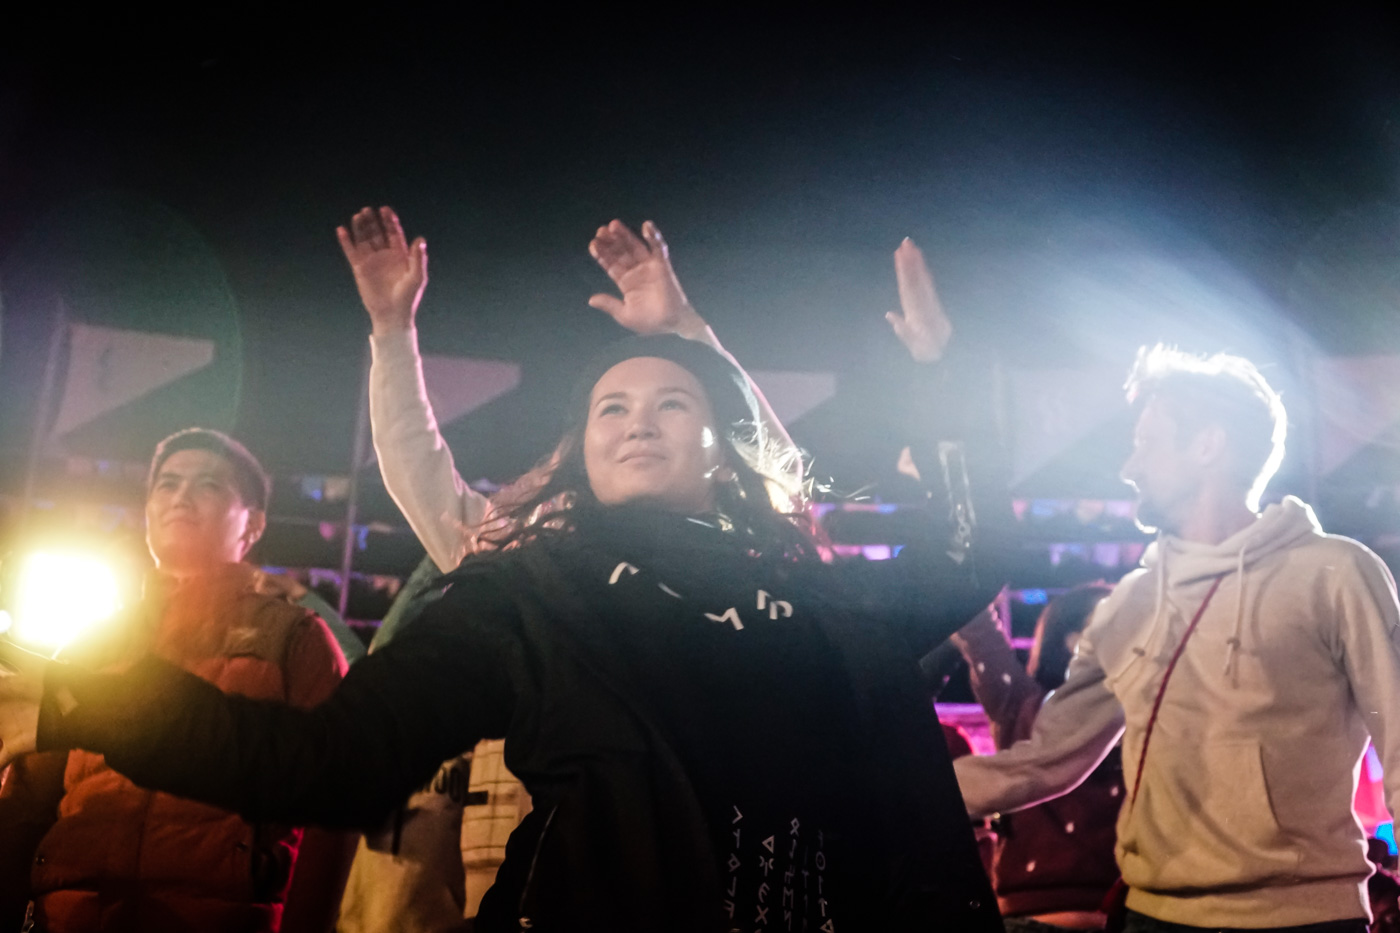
[60,596]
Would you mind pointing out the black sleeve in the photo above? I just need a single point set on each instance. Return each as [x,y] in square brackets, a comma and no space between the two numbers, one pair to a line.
[445,684]
[922,592]
[933,587]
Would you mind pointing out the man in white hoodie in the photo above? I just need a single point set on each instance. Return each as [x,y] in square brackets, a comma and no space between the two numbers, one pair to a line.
[1279,648]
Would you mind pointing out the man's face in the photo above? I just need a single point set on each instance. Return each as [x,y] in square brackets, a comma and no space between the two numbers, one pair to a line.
[1161,469]
[650,437]
[195,516]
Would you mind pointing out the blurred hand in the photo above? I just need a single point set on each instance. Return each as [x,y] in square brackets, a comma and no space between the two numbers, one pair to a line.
[21,688]
[652,301]
[279,585]
[389,272]
[921,323]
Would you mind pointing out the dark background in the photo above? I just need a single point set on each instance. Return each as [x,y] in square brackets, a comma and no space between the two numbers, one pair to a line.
[1082,183]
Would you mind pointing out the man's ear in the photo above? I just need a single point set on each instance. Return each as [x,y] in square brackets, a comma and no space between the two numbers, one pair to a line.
[257,524]
[1211,445]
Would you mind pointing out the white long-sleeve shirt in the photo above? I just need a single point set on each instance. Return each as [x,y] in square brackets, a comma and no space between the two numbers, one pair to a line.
[414,460]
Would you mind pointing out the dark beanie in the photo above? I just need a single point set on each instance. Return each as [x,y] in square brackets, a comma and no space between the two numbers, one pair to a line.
[731,399]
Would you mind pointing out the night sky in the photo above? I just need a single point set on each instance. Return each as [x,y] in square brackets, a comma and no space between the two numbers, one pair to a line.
[1081,184]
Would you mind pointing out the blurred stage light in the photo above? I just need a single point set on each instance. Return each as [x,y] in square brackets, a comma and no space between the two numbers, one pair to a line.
[59,595]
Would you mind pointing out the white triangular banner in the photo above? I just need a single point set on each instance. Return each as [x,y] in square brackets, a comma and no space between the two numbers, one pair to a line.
[1056,408]
[458,384]
[1358,400]
[793,394]
[107,368]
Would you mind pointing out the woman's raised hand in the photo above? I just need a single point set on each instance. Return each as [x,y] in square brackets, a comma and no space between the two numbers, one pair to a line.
[921,323]
[652,301]
[390,272]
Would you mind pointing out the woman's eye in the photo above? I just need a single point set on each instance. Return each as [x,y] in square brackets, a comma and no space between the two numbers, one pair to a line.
[672,403]
[612,408]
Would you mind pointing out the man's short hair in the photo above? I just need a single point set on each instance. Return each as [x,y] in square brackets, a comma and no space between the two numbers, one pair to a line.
[1222,390]
[254,485]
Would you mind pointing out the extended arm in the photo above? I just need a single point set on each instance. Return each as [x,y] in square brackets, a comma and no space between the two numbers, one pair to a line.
[439,689]
[1077,727]
[999,680]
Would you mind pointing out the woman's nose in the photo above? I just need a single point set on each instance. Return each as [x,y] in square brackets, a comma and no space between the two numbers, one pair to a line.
[641,425]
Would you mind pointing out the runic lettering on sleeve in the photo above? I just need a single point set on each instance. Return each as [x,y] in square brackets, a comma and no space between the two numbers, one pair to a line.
[733,862]
[762,916]
[730,616]
[766,864]
[737,815]
[828,928]
[768,843]
[618,570]
[733,885]
[763,892]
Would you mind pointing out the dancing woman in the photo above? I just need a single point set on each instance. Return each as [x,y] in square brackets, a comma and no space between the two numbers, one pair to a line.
[720,731]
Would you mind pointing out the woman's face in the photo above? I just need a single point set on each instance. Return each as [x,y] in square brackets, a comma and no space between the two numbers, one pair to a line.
[650,438]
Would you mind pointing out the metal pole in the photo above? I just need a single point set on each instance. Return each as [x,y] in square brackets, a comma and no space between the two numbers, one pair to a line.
[44,409]
[358,455]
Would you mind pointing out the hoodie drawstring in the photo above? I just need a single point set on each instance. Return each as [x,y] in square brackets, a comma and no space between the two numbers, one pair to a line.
[1161,600]
[1232,646]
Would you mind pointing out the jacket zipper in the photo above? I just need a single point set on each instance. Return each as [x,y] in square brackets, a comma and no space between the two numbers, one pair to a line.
[525,890]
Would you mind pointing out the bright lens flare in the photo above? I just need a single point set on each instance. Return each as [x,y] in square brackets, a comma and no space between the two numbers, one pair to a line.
[61,595]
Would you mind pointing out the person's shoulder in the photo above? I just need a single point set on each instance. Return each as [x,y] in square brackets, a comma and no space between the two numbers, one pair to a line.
[276,612]
[1134,585]
[487,578]
[1333,553]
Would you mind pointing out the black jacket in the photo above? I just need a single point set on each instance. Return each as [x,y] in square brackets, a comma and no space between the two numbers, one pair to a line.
[519,649]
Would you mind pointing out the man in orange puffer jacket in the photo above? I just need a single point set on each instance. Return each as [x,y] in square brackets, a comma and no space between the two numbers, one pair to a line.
[92,850]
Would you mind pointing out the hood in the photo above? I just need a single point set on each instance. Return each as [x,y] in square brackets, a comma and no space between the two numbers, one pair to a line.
[1179,563]
[1278,528]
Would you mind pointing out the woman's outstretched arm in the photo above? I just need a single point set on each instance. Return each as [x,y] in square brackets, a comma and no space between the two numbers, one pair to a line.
[444,685]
